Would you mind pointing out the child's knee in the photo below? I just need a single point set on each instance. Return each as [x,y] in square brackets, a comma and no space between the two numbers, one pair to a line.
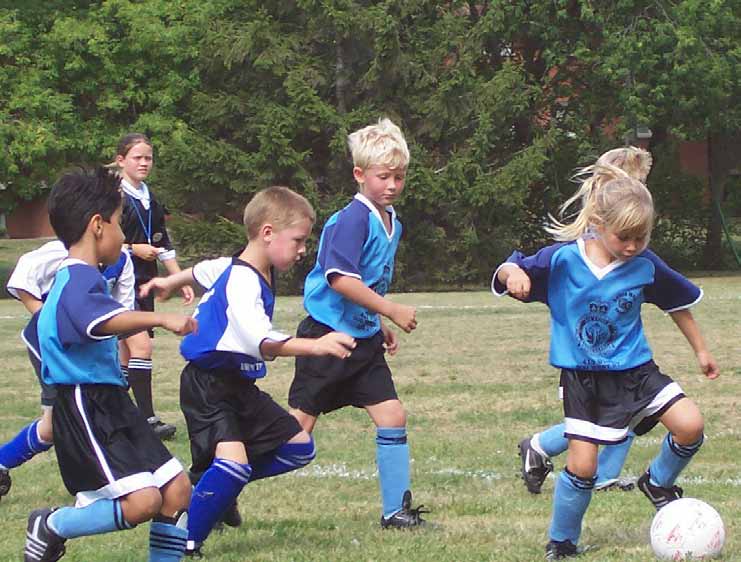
[46,430]
[142,505]
[177,493]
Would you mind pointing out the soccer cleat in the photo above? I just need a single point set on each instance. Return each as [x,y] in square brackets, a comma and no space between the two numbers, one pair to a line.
[621,484]
[163,430]
[42,544]
[193,550]
[557,550]
[535,467]
[658,495]
[407,517]
[231,516]
[5,482]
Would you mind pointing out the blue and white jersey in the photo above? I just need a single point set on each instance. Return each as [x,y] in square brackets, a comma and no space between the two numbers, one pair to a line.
[234,317]
[71,351]
[355,243]
[596,312]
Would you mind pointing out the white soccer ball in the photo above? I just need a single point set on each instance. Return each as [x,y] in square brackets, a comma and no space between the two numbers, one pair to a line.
[687,529]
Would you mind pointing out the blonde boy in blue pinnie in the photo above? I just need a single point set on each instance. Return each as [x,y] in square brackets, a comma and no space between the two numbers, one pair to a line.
[346,292]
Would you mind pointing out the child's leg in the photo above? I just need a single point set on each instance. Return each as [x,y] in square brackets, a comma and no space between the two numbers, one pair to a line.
[296,453]
[611,460]
[140,371]
[392,453]
[685,424]
[573,491]
[27,443]
[168,533]
[219,486]
[306,421]
[551,442]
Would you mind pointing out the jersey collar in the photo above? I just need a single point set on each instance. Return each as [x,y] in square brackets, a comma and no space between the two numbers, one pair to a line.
[598,272]
[365,201]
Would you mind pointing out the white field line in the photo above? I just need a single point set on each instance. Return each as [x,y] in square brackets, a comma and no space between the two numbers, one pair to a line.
[342,472]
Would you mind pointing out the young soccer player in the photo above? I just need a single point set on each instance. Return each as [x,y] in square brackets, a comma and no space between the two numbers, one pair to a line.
[30,282]
[537,450]
[346,291]
[238,433]
[143,223]
[108,454]
[594,282]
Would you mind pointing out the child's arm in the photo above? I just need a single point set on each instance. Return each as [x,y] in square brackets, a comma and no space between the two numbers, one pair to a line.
[355,290]
[31,303]
[163,287]
[334,343]
[136,321]
[186,289]
[689,328]
[514,279]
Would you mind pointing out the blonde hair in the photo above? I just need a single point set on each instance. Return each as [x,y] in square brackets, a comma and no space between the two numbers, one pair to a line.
[280,206]
[382,144]
[634,161]
[610,198]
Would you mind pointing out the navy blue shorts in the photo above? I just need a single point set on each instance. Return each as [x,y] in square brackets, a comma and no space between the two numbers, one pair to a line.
[324,384]
[602,406]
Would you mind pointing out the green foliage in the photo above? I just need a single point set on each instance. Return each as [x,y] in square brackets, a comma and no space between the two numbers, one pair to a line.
[500,101]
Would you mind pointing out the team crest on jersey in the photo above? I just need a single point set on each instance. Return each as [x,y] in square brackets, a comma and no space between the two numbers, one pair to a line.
[382,285]
[157,237]
[624,301]
[595,331]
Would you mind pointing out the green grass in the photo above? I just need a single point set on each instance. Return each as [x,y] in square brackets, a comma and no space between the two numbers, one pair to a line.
[474,378]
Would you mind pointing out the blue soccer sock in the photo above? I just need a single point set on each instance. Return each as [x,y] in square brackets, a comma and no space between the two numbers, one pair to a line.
[671,460]
[570,503]
[216,490]
[392,458]
[287,457]
[166,541]
[611,460]
[551,441]
[23,447]
[102,516]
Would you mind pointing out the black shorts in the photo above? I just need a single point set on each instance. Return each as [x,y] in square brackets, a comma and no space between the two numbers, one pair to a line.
[602,406]
[324,384]
[225,406]
[104,445]
[145,304]
[48,391]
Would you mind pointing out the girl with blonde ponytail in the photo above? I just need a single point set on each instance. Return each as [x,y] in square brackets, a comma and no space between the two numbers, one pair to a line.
[594,280]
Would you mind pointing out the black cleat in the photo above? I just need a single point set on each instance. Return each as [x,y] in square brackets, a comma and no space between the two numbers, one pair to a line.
[407,517]
[556,550]
[5,482]
[42,544]
[231,516]
[163,430]
[535,467]
[620,484]
[658,495]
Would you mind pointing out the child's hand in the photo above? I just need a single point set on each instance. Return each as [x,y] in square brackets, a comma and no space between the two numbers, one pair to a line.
[708,365]
[188,294]
[158,286]
[518,283]
[334,343]
[390,341]
[404,316]
[145,251]
[179,324]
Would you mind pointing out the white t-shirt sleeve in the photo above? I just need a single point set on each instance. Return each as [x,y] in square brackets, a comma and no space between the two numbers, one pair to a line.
[34,273]
[123,291]
[248,322]
[208,271]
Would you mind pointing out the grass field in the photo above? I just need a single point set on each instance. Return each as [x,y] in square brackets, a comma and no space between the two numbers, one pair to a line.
[474,378]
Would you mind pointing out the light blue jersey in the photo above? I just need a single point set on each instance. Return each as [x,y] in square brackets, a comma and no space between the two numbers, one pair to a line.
[234,318]
[596,312]
[355,243]
[71,351]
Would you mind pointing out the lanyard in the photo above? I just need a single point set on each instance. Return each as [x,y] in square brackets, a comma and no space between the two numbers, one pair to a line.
[147,228]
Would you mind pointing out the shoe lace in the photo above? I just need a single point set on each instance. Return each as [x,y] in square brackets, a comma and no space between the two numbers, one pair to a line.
[417,512]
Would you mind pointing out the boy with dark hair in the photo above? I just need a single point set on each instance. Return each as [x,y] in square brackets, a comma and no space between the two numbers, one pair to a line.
[109,456]
[346,291]
[238,433]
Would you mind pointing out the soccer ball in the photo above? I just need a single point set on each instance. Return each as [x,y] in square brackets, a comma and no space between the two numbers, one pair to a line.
[687,529]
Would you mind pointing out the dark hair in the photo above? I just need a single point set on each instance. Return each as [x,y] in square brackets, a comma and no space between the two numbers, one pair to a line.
[79,195]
